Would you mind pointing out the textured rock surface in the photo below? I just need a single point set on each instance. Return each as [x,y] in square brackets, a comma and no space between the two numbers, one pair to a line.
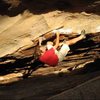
[22,22]
[44,87]
[17,31]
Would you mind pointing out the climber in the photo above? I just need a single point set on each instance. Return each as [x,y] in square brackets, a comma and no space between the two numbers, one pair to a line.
[49,53]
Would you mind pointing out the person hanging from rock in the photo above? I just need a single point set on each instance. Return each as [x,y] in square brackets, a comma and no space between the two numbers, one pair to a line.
[51,56]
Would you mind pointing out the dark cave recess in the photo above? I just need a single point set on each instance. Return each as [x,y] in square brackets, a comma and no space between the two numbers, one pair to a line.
[12,8]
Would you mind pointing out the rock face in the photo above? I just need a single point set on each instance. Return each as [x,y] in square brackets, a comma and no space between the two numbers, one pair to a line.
[22,24]
[23,21]
[18,31]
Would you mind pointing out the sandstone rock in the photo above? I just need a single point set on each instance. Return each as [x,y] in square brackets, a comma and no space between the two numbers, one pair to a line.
[22,22]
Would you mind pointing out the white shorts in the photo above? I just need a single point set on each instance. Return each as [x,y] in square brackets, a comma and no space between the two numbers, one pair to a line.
[62,52]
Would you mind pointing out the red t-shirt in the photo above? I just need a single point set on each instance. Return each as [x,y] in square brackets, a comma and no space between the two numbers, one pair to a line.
[49,57]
